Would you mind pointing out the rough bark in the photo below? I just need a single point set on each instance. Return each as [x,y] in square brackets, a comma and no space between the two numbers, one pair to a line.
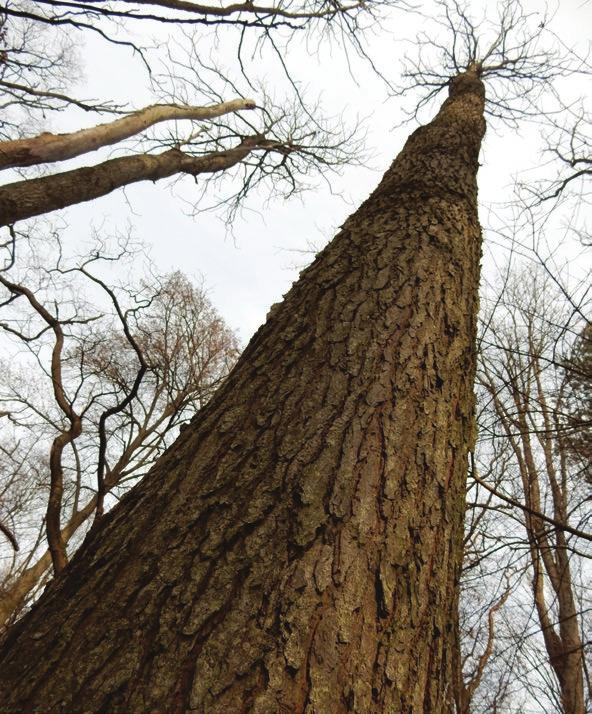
[298,548]
[35,197]
[13,597]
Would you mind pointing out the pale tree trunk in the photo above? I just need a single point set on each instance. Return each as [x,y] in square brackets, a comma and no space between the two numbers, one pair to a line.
[48,148]
[298,548]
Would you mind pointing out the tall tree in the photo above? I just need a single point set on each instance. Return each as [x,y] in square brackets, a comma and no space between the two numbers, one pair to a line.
[527,389]
[298,548]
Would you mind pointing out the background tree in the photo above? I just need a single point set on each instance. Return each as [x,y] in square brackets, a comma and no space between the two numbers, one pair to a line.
[474,67]
[578,437]
[532,487]
[127,369]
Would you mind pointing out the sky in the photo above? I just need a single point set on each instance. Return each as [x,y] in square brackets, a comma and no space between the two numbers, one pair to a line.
[249,268]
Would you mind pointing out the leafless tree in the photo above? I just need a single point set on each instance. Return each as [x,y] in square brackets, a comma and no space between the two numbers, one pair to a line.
[207,124]
[125,369]
[552,528]
[521,61]
[514,50]
[530,481]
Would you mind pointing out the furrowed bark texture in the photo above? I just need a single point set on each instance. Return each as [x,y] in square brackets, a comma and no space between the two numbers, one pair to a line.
[298,548]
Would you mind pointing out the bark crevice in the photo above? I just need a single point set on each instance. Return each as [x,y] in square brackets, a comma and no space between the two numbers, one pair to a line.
[298,548]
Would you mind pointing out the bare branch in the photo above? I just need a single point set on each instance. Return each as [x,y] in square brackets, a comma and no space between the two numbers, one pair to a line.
[48,148]
[25,199]
[9,535]
[537,514]
[522,59]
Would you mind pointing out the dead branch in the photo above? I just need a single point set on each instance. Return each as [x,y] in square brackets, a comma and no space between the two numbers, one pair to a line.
[47,148]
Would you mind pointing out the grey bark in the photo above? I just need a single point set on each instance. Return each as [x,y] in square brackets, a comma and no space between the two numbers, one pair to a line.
[48,147]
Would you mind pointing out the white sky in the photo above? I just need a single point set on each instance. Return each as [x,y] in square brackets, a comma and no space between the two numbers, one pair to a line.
[247,272]
[250,270]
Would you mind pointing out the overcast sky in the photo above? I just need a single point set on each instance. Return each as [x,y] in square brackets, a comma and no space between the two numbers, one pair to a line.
[249,270]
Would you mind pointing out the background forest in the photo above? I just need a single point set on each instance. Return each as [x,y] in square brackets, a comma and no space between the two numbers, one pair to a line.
[169,169]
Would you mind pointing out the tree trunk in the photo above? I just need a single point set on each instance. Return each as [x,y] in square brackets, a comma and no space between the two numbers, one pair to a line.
[298,548]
